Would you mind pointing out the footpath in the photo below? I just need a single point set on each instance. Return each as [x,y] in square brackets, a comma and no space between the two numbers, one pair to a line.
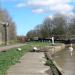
[32,63]
[4,48]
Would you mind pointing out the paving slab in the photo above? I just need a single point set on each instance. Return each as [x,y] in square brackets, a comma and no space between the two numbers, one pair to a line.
[32,63]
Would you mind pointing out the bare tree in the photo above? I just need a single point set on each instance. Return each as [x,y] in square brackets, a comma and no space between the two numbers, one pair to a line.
[5,17]
[59,25]
[72,26]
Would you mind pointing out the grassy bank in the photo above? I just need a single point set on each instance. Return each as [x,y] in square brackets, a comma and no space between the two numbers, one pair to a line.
[39,44]
[11,57]
[35,43]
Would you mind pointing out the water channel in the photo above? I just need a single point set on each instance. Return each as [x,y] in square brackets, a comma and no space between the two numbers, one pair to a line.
[65,60]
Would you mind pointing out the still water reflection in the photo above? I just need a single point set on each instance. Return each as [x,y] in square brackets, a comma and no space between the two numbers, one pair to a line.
[65,59]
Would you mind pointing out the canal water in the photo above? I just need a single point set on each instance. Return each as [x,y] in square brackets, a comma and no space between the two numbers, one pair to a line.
[65,60]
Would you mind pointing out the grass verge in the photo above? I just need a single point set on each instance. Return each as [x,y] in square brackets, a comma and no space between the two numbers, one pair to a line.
[40,44]
[11,57]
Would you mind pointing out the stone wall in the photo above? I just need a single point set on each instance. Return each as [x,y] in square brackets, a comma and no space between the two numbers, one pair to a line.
[50,50]
[49,53]
[0,38]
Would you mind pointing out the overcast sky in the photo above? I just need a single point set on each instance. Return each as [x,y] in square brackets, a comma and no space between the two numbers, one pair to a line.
[29,13]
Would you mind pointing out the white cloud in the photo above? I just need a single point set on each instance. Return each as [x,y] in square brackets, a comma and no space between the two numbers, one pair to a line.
[50,16]
[38,11]
[38,3]
[62,6]
[20,5]
[46,2]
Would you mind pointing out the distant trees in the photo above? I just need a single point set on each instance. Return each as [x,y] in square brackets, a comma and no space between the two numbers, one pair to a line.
[57,25]
[31,34]
[11,29]
[72,26]
[47,27]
